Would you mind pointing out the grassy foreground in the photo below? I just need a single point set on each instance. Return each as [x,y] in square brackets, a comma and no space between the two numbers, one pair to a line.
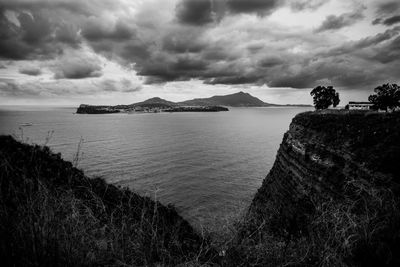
[51,214]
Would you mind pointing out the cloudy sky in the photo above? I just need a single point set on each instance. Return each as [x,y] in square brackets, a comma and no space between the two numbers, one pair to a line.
[123,51]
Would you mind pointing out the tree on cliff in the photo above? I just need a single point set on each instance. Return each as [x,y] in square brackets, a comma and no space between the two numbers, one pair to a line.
[386,96]
[324,97]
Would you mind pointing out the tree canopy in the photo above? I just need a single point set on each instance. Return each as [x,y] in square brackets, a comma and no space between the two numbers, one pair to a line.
[324,97]
[387,96]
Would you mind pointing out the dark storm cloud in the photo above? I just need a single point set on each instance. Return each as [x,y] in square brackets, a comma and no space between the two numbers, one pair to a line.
[16,42]
[260,7]
[187,64]
[36,36]
[337,71]
[392,20]
[44,28]
[202,12]
[306,4]
[194,12]
[136,50]
[68,34]
[78,72]
[371,41]
[387,13]
[270,61]
[376,21]
[222,62]
[388,7]
[181,68]
[342,65]
[333,22]
[183,43]
[390,52]
[95,31]
[30,70]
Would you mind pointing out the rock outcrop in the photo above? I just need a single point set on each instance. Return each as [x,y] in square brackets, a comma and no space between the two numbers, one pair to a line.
[88,109]
[332,195]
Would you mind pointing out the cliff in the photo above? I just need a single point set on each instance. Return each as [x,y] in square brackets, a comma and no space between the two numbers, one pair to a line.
[51,214]
[88,109]
[331,197]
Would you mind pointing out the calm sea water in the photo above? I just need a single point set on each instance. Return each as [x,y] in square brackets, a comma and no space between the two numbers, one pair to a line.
[209,165]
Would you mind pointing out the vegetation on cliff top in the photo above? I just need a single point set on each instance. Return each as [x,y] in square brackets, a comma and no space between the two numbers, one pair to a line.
[324,97]
[51,214]
[373,138]
[387,96]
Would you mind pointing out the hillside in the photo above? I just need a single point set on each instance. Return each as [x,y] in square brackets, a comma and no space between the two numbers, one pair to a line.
[331,198]
[155,101]
[51,214]
[240,99]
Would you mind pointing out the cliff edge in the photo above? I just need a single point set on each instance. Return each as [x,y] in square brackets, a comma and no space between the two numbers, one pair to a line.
[331,197]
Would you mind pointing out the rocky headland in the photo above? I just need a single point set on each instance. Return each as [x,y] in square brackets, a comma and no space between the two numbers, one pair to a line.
[331,197]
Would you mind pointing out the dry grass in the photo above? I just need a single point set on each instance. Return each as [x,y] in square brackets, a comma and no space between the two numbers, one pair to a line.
[361,229]
[52,215]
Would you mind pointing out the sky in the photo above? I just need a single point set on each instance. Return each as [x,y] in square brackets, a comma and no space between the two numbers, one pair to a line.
[67,52]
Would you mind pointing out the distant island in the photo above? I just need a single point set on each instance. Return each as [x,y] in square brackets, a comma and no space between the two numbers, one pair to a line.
[146,108]
[156,104]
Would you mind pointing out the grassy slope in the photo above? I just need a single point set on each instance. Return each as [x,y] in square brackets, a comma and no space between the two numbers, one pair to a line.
[51,214]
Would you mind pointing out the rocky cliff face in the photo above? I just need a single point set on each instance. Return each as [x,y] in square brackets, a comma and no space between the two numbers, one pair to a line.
[336,175]
[322,152]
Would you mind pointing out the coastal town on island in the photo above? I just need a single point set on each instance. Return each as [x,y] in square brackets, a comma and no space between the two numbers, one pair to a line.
[150,108]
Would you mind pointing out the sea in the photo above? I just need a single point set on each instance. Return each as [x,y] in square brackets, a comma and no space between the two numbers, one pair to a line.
[208,165]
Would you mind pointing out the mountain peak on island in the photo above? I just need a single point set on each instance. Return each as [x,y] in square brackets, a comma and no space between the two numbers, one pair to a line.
[155,101]
[239,99]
